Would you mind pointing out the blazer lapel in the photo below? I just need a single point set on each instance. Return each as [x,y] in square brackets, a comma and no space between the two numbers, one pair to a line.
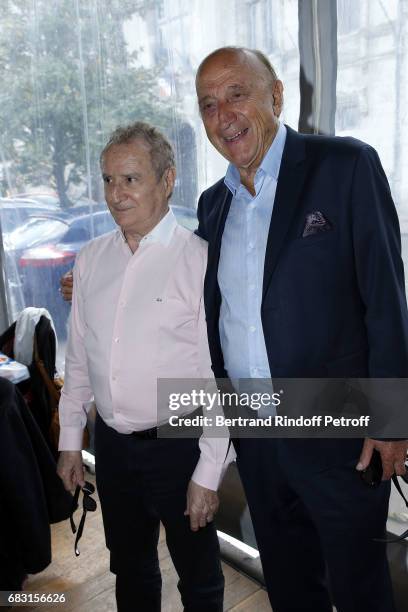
[290,182]
[214,246]
[211,289]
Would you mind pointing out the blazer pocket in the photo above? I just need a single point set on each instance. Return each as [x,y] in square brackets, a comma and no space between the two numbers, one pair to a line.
[307,241]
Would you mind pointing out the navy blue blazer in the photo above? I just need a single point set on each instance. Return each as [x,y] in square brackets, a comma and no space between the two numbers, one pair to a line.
[333,302]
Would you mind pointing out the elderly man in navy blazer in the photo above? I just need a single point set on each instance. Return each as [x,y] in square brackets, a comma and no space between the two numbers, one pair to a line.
[304,279]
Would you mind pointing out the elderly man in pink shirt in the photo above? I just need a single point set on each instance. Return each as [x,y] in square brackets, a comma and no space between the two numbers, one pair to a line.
[138,315]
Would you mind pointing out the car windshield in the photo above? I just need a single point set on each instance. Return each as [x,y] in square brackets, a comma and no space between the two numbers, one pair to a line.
[36,231]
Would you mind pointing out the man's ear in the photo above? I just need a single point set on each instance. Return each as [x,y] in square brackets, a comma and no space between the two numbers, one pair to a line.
[277,93]
[169,178]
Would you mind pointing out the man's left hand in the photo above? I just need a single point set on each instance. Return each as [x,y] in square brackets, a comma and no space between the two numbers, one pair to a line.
[393,456]
[202,504]
[66,286]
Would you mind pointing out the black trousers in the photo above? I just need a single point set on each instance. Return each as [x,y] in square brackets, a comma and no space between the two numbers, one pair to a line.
[140,483]
[315,525]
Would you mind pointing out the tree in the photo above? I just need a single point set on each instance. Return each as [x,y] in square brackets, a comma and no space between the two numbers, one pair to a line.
[68,79]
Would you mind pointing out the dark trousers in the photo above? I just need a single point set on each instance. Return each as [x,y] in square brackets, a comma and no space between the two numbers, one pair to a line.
[140,483]
[315,526]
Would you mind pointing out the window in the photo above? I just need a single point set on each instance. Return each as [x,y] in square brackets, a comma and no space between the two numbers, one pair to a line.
[348,112]
[348,16]
[74,70]
[370,96]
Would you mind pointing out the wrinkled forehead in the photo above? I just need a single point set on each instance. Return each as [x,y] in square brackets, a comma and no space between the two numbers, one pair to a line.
[220,62]
[133,150]
[226,65]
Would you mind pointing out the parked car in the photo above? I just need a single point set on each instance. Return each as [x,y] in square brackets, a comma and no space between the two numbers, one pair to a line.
[45,247]
[46,198]
[15,211]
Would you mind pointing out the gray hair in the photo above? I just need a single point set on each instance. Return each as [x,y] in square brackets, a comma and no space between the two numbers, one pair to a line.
[258,54]
[161,151]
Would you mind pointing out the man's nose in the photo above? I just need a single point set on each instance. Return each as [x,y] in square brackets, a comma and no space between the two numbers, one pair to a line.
[226,115]
[117,192]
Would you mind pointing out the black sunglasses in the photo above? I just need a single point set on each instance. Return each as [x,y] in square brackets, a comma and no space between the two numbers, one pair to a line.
[372,477]
[88,505]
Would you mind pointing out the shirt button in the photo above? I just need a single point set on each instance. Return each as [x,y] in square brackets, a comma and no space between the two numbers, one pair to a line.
[254,371]
[250,246]
[113,377]
[252,206]
[116,340]
[251,287]
[252,328]
[123,303]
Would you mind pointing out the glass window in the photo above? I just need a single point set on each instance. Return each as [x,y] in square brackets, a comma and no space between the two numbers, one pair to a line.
[372,98]
[349,13]
[372,93]
[74,71]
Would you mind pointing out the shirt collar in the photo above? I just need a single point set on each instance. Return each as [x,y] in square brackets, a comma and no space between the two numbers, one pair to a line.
[162,232]
[270,163]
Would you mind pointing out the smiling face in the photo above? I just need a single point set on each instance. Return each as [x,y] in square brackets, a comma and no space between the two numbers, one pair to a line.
[240,105]
[135,196]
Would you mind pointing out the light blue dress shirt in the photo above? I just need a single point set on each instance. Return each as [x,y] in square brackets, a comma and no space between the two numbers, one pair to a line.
[241,266]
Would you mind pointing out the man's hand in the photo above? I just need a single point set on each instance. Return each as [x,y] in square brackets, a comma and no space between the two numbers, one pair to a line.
[393,456]
[67,282]
[70,469]
[202,504]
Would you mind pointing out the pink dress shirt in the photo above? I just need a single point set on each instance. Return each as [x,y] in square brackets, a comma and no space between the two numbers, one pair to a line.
[137,317]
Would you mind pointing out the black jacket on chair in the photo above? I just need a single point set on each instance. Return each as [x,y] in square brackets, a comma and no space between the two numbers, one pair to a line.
[31,493]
